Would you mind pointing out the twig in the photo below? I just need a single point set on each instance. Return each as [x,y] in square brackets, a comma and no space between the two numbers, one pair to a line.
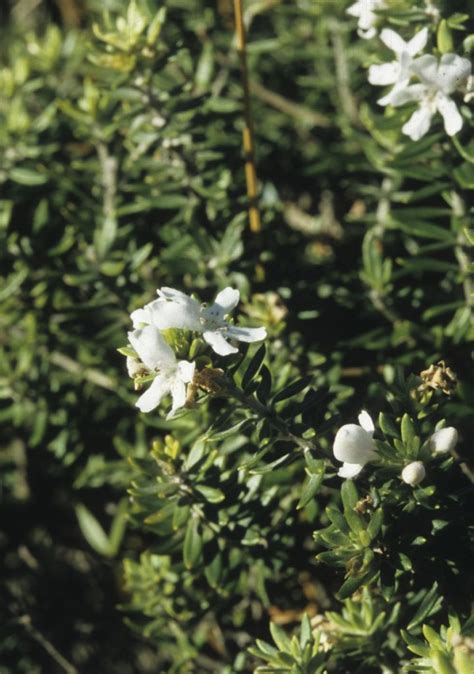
[464,261]
[272,418]
[299,112]
[68,667]
[342,76]
[248,141]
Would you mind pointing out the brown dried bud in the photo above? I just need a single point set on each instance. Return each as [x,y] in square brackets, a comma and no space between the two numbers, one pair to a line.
[438,377]
[210,379]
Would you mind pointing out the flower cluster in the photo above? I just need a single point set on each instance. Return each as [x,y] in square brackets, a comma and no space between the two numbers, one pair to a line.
[436,79]
[156,359]
[354,446]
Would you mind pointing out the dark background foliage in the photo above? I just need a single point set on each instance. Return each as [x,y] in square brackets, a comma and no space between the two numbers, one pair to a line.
[117,178]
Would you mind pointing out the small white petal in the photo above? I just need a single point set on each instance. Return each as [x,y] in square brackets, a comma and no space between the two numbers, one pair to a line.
[408,94]
[227,300]
[451,115]
[393,41]
[386,73]
[186,370]
[246,334]
[353,444]
[365,420]
[419,123]
[453,71]
[172,295]
[218,342]
[349,470]
[355,9]
[178,395]
[140,317]
[414,473]
[181,315]
[418,42]
[154,394]
[443,441]
[151,347]
[134,367]
[426,68]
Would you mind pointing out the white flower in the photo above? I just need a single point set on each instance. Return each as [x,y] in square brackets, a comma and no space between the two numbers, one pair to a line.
[354,445]
[364,10]
[443,441]
[397,72]
[414,473]
[438,81]
[172,375]
[174,309]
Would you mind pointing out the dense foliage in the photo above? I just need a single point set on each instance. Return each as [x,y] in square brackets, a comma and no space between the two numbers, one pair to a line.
[223,539]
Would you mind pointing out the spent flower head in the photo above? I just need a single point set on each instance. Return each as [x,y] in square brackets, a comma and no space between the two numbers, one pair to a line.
[175,309]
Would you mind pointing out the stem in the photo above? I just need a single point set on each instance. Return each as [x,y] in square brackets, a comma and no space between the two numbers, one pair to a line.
[270,415]
[67,666]
[248,140]
[464,261]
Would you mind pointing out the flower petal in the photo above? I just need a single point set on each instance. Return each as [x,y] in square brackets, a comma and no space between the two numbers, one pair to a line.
[452,72]
[151,347]
[349,470]
[246,334]
[172,295]
[178,394]
[141,316]
[414,473]
[386,73]
[419,123]
[418,42]
[218,342]
[451,115]
[365,420]
[154,394]
[444,440]
[408,94]
[227,300]
[393,41]
[353,444]
[186,370]
[181,315]
[426,68]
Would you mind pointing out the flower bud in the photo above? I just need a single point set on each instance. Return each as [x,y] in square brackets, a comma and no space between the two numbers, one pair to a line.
[414,473]
[443,441]
[134,367]
[353,444]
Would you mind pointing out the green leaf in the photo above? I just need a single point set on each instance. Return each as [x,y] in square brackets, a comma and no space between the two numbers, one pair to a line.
[349,494]
[93,531]
[280,638]
[310,489]
[253,366]
[211,494]
[431,603]
[28,177]
[192,547]
[407,429]
[444,37]
[292,389]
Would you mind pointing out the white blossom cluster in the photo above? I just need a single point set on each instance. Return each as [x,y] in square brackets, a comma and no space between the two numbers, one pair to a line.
[175,310]
[435,79]
[354,446]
